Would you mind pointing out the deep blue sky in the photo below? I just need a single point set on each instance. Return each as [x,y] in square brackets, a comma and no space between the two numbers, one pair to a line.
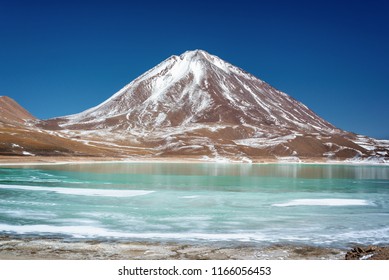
[62,57]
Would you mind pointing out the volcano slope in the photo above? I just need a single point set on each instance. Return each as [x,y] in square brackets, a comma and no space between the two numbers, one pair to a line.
[197,105]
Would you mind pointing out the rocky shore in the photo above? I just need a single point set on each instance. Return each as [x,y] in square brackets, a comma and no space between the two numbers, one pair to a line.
[12,248]
[16,248]
[368,253]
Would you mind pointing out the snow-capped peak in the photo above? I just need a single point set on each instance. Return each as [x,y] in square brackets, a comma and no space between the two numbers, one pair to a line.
[189,55]
[198,104]
[215,61]
[197,87]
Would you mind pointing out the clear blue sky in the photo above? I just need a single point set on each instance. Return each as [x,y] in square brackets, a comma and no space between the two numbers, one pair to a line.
[62,57]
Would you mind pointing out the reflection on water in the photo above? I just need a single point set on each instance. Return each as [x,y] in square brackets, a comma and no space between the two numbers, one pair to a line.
[315,171]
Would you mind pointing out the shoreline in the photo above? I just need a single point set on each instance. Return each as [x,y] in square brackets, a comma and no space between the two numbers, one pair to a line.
[54,248]
[41,160]
[46,248]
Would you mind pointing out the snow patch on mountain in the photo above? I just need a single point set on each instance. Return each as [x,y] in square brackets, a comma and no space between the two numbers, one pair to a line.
[198,103]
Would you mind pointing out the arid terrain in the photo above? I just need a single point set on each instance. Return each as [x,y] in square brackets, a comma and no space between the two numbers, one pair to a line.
[194,106]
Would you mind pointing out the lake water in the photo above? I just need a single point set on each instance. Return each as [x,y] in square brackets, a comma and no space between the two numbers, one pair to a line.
[321,205]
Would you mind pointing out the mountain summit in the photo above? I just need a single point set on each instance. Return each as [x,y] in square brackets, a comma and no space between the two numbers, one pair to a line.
[197,105]
[198,88]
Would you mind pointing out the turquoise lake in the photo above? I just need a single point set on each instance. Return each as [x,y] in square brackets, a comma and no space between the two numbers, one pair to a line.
[320,205]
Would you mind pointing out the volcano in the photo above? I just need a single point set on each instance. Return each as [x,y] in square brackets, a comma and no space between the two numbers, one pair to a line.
[198,105]
[194,89]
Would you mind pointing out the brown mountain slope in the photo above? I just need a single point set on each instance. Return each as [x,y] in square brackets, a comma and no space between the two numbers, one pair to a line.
[12,112]
[20,137]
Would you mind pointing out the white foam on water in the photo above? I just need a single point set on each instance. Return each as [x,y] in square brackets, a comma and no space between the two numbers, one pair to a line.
[17,202]
[94,232]
[190,196]
[30,214]
[80,191]
[379,233]
[324,202]
[76,231]
[371,236]
[78,221]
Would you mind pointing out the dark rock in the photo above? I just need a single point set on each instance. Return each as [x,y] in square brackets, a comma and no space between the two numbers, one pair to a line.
[359,250]
[368,253]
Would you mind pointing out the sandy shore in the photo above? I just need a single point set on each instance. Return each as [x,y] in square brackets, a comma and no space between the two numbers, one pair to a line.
[57,249]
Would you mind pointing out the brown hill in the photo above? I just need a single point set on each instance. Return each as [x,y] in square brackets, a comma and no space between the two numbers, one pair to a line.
[19,136]
[12,112]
